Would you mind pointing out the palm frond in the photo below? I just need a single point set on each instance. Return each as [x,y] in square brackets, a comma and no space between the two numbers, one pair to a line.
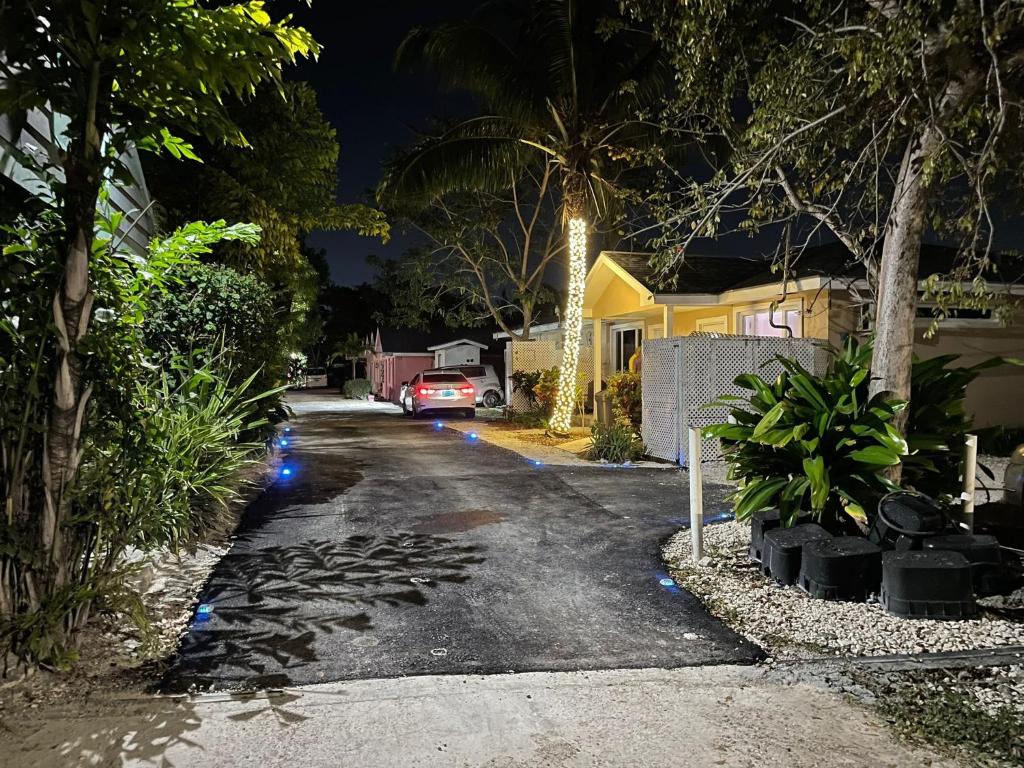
[476,155]
[468,56]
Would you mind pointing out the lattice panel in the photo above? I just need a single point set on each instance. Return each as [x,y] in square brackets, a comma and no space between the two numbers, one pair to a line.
[700,369]
[659,376]
[532,356]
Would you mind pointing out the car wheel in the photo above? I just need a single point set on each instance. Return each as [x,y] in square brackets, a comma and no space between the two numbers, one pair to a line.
[491,399]
[471,413]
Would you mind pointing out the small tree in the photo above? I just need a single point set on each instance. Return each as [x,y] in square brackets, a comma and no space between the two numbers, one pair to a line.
[488,255]
[351,349]
[872,121]
[125,72]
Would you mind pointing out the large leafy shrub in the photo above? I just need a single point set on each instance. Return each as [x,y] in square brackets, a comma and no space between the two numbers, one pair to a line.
[809,443]
[137,444]
[938,421]
[212,310]
[625,391]
[357,388]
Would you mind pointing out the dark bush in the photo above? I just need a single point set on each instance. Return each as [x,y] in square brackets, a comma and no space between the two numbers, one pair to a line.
[356,389]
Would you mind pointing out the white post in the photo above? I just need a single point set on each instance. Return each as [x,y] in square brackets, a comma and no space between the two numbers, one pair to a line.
[696,496]
[970,467]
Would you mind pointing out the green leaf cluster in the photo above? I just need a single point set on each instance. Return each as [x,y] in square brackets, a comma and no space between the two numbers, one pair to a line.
[806,443]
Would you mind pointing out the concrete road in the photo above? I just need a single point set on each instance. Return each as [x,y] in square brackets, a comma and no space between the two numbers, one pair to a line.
[395,548]
[693,717]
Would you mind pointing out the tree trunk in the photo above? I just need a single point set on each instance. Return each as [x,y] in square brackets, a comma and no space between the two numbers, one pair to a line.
[896,306]
[72,306]
[574,201]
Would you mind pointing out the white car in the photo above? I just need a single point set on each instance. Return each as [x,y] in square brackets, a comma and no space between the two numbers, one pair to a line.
[439,390]
[316,377]
[485,380]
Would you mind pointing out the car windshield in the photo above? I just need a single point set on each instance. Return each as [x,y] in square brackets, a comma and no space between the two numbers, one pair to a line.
[452,377]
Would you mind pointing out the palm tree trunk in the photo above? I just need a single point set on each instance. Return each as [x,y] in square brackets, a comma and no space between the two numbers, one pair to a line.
[574,200]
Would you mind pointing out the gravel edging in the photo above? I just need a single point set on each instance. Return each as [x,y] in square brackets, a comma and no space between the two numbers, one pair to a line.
[789,624]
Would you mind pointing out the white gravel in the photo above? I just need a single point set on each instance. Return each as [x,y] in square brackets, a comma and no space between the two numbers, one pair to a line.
[789,624]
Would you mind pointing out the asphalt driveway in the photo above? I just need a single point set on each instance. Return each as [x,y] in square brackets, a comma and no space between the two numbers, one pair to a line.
[394,548]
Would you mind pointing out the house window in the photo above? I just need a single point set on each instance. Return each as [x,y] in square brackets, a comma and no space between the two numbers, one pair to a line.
[626,341]
[757,322]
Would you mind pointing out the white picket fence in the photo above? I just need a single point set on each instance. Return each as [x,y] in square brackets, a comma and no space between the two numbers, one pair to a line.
[681,375]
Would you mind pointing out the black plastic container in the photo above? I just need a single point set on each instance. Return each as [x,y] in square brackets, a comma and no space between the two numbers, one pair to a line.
[982,552]
[927,584]
[780,555]
[905,519]
[760,524]
[841,568]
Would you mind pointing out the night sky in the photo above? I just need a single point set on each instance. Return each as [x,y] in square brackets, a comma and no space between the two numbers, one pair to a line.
[372,107]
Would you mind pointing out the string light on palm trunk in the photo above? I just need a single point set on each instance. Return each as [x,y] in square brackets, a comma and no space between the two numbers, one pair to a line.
[565,400]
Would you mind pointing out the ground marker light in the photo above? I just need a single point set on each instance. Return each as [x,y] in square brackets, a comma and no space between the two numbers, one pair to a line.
[667,583]
[473,436]
[204,612]
[287,429]
[286,471]
[438,425]
[284,442]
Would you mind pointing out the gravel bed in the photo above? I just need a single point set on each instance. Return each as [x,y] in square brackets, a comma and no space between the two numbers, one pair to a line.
[975,714]
[789,624]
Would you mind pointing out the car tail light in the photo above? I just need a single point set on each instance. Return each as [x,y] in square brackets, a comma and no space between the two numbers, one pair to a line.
[426,391]
[466,390]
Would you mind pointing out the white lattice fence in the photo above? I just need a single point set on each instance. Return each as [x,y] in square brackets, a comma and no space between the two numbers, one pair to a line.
[680,375]
[530,356]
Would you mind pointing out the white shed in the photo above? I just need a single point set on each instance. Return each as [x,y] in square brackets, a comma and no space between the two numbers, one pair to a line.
[458,352]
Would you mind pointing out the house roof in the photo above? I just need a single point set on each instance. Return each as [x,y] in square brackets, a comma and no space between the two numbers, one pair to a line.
[696,274]
[457,343]
[716,274]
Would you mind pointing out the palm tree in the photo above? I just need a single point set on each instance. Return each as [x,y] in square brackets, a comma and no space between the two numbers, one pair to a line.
[350,348]
[553,90]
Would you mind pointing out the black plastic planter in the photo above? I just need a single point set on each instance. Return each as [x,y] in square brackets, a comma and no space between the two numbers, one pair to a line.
[780,555]
[927,584]
[842,568]
[982,552]
[760,524]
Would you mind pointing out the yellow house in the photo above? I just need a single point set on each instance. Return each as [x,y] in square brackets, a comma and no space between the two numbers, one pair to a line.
[626,301]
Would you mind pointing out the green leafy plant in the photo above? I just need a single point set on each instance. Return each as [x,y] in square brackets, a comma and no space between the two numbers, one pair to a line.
[805,443]
[615,443]
[524,382]
[938,421]
[546,390]
[627,404]
[357,389]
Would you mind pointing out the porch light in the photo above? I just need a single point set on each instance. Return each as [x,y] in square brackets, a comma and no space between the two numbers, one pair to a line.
[565,398]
